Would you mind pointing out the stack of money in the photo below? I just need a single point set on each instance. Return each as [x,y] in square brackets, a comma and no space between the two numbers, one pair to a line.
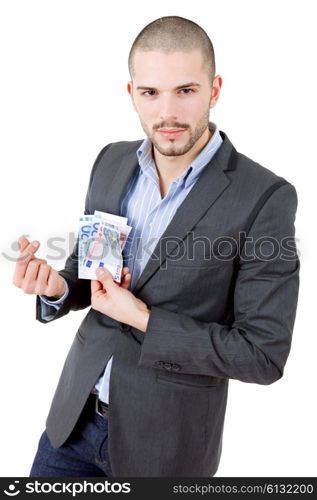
[101,239]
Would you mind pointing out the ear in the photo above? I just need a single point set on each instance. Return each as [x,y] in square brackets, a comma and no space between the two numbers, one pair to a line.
[216,87]
[130,88]
[130,92]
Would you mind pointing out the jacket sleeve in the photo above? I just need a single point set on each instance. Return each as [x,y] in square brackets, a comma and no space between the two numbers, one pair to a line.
[255,347]
[79,296]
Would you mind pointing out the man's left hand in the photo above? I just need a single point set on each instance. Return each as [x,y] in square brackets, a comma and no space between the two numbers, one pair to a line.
[117,302]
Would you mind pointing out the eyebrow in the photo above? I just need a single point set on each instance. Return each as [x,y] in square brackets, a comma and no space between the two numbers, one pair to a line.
[184,86]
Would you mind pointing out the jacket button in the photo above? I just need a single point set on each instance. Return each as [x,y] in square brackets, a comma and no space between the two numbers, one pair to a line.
[176,367]
[158,363]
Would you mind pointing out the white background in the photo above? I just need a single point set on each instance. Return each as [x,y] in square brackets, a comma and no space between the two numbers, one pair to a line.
[63,97]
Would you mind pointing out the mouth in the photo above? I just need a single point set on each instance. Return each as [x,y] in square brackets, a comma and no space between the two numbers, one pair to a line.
[171,133]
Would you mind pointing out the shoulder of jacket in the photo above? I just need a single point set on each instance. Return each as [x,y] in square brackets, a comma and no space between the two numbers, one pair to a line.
[117,149]
[255,176]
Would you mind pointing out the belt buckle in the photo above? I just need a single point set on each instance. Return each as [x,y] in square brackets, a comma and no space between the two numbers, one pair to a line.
[97,410]
[96,407]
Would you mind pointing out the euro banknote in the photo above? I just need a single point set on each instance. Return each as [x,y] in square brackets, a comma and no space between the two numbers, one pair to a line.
[101,240]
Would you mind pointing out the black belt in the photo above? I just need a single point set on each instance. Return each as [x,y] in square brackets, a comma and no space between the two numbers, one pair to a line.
[101,408]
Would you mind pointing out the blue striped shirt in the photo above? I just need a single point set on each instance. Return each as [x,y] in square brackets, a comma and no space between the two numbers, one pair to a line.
[149,214]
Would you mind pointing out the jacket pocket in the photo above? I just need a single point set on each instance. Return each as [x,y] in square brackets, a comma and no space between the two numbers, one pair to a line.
[188,382]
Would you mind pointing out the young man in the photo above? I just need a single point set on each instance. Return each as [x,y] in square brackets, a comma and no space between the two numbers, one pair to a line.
[208,292]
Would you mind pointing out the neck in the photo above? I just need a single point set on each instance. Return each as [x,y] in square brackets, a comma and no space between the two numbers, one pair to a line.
[172,167]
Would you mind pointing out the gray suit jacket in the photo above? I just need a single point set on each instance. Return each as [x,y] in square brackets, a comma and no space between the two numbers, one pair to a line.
[222,285]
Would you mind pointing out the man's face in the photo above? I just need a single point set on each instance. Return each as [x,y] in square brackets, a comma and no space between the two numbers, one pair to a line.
[172,94]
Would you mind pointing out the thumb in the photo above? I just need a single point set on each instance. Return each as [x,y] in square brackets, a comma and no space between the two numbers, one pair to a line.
[105,277]
[96,286]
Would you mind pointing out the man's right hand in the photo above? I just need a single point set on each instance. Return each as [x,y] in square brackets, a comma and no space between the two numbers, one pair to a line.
[34,275]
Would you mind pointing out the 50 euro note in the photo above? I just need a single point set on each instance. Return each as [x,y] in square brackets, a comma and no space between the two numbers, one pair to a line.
[120,222]
[101,239]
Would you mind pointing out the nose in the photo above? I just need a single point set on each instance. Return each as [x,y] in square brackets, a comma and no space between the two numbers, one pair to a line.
[169,108]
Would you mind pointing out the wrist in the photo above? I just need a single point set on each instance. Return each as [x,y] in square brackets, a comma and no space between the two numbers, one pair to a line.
[61,290]
[141,319]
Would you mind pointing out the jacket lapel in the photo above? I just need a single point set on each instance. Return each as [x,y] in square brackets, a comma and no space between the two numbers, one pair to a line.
[123,173]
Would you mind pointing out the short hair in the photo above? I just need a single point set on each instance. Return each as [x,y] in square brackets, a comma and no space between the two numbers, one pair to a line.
[171,34]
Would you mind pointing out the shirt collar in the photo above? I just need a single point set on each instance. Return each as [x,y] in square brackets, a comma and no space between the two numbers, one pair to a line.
[146,160]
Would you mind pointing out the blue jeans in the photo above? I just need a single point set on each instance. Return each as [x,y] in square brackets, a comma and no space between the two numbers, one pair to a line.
[84,454]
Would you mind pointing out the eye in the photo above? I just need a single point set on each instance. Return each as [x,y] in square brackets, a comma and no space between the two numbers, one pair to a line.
[187,91]
[149,93]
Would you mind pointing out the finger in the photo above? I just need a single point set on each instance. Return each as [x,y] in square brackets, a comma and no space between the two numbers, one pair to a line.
[23,243]
[28,252]
[105,277]
[125,271]
[30,277]
[18,275]
[42,279]
[23,260]
[126,281]
[41,261]
[32,270]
